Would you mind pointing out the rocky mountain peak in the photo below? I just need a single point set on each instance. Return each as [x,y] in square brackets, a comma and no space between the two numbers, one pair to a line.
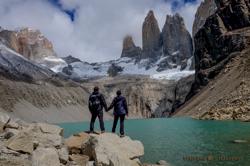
[27,36]
[177,41]
[33,45]
[206,9]
[129,48]
[151,36]
[128,42]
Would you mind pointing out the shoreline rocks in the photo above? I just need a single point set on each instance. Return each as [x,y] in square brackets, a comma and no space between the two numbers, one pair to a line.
[41,144]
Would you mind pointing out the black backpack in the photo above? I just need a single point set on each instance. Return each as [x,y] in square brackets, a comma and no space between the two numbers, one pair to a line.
[95,102]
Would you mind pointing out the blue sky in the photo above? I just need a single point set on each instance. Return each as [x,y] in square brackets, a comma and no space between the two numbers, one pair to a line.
[92,30]
[71,13]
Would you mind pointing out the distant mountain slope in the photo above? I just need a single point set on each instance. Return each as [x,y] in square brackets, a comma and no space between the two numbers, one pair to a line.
[35,93]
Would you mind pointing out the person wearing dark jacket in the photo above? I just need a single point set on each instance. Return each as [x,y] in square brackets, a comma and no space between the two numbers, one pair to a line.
[96,104]
[119,104]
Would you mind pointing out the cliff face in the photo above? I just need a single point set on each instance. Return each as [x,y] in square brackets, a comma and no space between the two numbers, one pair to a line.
[147,98]
[177,42]
[151,37]
[222,64]
[32,45]
[206,9]
[219,37]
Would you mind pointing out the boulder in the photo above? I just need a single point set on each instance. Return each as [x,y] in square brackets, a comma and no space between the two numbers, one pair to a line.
[22,142]
[81,160]
[50,129]
[163,163]
[4,119]
[110,149]
[12,124]
[238,141]
[75,142]
[45,157]
[63,154]
[45,139]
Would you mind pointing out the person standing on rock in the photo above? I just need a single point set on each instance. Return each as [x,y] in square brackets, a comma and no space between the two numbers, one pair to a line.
[120,110]
[96,104]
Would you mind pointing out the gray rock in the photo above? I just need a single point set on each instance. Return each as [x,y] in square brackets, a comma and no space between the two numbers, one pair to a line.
[4,119]
[119,151]
[22,142]
[12,124]
[63,154]
[81,160]
[238,141]
[163,163]
[45,157]
[50,129]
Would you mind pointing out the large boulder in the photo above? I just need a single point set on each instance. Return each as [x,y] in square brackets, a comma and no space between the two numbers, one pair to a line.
[50,129]
[76,142]
[110,149]
[22,142]
[81,160]
[45,157]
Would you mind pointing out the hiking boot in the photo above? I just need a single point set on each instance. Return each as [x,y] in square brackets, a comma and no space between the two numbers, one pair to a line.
[122,135]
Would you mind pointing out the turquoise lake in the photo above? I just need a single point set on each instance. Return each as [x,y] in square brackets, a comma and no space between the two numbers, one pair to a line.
[184,141]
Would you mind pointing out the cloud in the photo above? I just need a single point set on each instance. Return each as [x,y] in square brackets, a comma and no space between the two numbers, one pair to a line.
[99,26]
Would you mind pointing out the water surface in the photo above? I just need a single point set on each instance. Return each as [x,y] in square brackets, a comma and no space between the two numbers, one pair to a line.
[185,141]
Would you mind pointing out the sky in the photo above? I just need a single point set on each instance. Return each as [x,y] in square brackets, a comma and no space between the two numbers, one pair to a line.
[92,30]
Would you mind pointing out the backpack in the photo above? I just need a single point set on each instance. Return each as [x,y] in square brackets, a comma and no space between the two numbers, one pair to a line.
[120,106]
[95,102]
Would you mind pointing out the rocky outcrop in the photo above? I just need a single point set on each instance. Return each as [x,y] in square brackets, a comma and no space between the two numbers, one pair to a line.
[177,42]
[206,9]
[122,152]
[34,144]
[151,37]
[70,59]
[32,45]
[29,144]
[219,38]
[129,49]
